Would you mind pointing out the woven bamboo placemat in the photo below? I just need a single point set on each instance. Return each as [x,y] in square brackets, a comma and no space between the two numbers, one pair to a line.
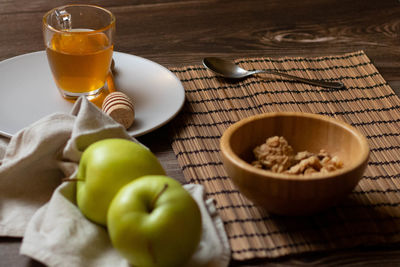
[370,215]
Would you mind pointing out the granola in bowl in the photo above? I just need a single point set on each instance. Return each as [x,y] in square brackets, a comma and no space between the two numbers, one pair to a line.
[278,156]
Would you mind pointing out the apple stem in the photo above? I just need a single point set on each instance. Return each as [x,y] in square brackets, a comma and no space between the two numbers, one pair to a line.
[158,195]
[71,179]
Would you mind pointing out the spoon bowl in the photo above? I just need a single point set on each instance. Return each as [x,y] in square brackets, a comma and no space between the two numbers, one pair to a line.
[230,70]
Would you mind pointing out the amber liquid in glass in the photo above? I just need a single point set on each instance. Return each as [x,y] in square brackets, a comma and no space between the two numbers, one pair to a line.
[80,61]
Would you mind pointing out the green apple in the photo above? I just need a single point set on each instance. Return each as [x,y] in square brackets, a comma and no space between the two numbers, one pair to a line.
[154,221]
[104,168]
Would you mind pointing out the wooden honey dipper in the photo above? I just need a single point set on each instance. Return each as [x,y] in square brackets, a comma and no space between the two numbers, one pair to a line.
[118,105]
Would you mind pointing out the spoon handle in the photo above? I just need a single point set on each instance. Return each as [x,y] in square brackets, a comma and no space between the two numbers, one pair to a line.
[336,85]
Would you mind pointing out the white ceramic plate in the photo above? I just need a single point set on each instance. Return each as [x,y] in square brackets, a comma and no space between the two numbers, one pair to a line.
[28,92]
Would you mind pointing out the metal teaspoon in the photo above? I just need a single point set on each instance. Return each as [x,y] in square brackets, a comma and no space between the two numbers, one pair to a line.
[231,70]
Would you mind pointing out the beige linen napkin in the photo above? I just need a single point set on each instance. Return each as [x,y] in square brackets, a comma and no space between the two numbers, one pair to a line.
[35,204]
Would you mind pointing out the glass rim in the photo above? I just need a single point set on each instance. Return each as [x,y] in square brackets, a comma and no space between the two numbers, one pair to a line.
[47,14]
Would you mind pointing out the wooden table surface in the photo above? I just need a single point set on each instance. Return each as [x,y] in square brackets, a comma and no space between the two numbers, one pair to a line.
[177,33]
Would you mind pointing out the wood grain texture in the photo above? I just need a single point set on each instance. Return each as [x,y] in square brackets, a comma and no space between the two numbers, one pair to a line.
[175,33]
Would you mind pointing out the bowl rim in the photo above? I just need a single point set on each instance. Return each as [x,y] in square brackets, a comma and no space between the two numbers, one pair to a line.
[236,160]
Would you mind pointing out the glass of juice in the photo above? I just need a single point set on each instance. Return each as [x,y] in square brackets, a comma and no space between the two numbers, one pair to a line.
[79,46]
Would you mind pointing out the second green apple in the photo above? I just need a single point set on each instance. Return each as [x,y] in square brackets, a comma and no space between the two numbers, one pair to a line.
[154,222]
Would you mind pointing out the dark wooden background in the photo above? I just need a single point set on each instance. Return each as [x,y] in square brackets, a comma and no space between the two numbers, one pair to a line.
[176,33]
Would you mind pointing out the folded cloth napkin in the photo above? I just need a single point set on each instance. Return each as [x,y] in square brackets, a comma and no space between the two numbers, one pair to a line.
[35,204]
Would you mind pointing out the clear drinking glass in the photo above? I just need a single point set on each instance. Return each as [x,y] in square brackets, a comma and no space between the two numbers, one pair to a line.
[79,45]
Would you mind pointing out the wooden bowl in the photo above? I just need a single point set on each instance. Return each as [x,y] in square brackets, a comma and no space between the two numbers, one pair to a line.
[294,194]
